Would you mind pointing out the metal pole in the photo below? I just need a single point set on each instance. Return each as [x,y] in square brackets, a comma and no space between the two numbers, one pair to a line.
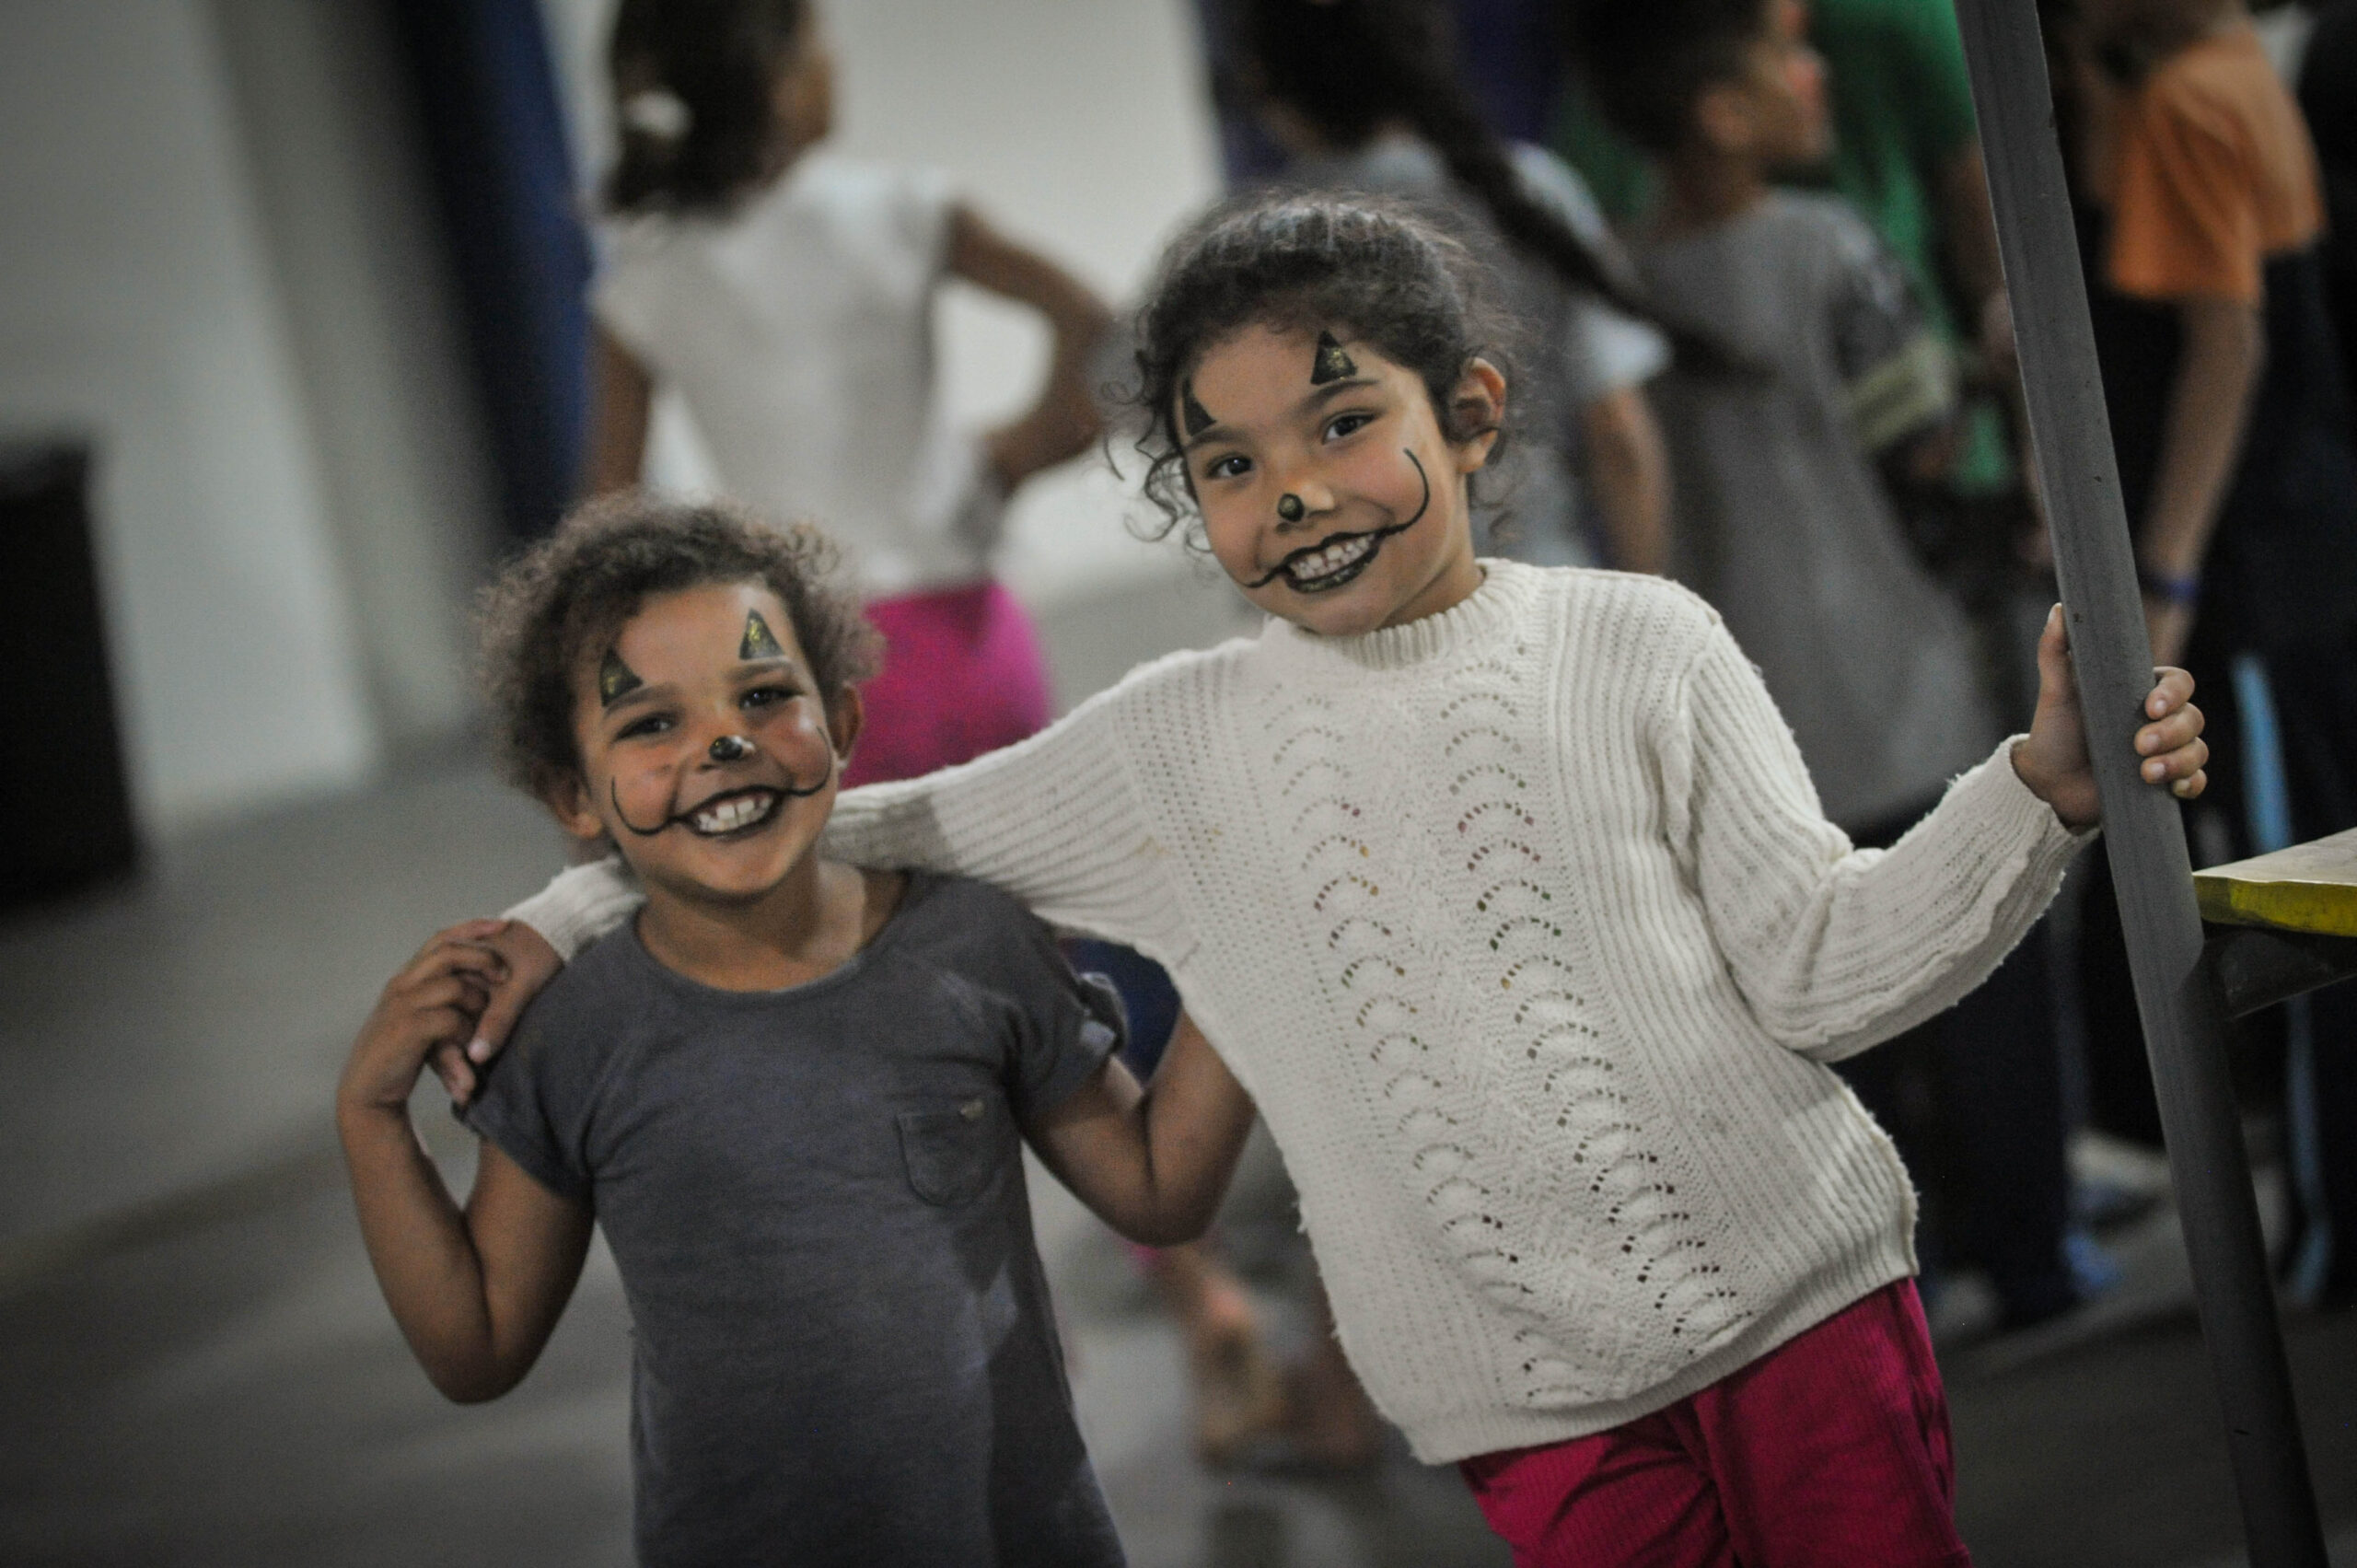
[2183,1023]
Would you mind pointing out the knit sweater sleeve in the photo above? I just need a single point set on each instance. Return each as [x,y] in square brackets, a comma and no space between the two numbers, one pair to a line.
[581,904]
[1057,820]
[1836,948]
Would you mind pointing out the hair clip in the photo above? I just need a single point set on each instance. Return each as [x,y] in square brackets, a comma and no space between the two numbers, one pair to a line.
[658,112]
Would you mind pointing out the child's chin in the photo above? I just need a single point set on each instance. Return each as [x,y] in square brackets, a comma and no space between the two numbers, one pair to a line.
[743,872]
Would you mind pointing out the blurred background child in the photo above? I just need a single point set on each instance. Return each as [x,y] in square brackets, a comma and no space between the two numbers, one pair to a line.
[1785,484]
[788,294]
[2202,215]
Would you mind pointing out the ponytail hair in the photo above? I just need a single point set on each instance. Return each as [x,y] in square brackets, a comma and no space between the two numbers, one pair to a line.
[1350,66]
[693,85]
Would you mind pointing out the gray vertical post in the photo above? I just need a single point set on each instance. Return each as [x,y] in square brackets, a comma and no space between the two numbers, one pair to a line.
[2183,1023]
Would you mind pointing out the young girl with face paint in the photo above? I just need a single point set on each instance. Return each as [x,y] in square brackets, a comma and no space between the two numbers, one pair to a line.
[1506,896]
[793,1093]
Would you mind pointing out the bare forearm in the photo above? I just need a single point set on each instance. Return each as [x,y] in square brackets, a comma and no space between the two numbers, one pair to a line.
[2209,406]
[622,400]
[1063,419]
[1629,470]
[1154,1162]
[424,1258]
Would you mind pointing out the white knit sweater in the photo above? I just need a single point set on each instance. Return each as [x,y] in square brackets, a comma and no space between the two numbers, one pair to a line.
[1523,927]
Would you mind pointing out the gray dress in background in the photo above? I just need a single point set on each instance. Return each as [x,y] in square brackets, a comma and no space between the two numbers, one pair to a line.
[1780,519]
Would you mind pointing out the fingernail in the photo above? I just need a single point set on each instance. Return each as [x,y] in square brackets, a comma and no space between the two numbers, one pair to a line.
[478,1049]
[2155,772]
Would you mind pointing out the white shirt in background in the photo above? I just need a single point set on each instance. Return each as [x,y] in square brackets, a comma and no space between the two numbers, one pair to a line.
[799,331]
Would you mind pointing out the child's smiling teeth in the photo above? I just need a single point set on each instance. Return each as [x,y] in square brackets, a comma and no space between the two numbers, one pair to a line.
[1313,570]
[732,812]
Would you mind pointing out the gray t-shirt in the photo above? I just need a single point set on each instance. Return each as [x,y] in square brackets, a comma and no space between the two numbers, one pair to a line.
[1781,521]
[843,1349]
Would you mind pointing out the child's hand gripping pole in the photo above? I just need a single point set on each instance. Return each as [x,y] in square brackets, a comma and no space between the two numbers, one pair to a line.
[2053,762]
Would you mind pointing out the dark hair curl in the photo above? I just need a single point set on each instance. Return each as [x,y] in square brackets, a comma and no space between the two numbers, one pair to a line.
[1648,64]
[571,593]
[714,65]
[1369,268]
[1352,66]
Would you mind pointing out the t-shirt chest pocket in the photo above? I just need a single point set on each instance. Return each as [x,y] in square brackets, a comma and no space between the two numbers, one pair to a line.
[953,1151]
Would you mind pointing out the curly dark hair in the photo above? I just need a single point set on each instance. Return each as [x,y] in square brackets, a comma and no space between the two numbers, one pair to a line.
[721,60]
[573,592]
[1372,268]
[1647,65]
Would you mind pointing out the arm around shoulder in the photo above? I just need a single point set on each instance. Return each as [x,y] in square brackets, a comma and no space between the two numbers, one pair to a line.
[581,904]
[1057,820]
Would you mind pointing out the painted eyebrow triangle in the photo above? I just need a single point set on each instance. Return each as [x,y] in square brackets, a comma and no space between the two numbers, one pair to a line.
[1312,400]
[615,678]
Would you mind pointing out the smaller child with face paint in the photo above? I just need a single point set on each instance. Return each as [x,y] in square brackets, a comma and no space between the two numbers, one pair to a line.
[792,1093]
[1510,901]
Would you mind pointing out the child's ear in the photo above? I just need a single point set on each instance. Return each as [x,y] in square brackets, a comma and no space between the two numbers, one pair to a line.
[1480,408]
[1722,118]
[567,799]
[845,717]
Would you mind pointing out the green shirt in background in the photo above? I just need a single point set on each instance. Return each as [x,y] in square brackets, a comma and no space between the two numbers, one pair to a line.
[1902,108]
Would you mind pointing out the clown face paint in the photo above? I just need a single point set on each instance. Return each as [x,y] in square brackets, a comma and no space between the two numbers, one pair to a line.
[1341,506]
[758,641]
[716,769]
[615,679]
[1335,561]
[1331,364]
[1193,417]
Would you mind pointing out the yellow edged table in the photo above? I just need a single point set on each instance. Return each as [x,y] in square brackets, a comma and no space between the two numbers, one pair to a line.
[2282,923]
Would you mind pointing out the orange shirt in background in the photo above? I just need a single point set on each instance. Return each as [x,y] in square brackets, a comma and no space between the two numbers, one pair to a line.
[2210,174]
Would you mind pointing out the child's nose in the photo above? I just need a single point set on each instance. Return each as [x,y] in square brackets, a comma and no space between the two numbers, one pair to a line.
[1300,500]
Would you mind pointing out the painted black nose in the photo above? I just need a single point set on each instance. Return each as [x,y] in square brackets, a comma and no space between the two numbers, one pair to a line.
[1290,508]
[731,749]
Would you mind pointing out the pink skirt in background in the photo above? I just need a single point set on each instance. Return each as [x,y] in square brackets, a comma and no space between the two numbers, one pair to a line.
[963,676]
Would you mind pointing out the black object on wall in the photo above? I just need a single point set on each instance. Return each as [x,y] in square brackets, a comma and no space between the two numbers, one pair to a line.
[63,792]
[493,132]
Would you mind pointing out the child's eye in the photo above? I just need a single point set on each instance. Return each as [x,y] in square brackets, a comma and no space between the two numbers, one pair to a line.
[652,724]
[767,696]
[1234,466]
[1342,425]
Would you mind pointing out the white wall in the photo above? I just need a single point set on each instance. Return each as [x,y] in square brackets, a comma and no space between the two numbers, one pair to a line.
[1079,125]
[369,306]
[136,305]
[219,263]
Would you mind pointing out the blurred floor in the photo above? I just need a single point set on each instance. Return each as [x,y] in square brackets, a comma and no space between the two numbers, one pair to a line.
[195,1367]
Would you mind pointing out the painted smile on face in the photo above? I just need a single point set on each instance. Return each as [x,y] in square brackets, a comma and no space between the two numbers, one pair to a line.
[1339,558]
[732,813]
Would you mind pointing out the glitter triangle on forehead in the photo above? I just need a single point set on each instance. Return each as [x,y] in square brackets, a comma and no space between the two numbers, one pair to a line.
[1196,417]
[758,641]
[615,679]
[1333,364]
